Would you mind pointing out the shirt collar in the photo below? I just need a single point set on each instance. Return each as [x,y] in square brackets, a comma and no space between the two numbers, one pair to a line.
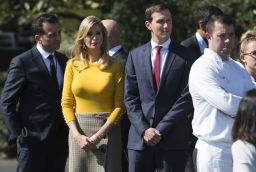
[201,42]
[44,53]
[113,50]
[165,45]
[212,53]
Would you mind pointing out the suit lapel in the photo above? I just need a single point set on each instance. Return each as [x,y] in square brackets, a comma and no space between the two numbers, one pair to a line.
[61,61]
[118,52]
[147,63]
[168,63]
[39,62]
[196,46]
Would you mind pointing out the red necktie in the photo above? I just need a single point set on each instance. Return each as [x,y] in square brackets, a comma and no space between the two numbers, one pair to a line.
[157,66]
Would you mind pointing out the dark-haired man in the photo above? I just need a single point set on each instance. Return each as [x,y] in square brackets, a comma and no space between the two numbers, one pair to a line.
[216,84]
[34,85]
[198,42]
[157,98]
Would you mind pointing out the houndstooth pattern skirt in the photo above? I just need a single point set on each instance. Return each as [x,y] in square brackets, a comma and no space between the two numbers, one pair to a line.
[106,157]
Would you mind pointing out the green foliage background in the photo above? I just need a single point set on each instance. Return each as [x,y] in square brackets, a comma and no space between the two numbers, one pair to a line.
[3,130]
[129,14]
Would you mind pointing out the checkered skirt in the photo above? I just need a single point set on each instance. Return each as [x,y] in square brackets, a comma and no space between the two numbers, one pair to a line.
[107,155]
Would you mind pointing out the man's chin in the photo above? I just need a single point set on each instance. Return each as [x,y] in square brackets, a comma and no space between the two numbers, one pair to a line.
[167,35]
[226,52]
[57,47]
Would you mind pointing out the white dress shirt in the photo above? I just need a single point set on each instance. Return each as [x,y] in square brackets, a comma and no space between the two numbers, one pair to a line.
[216,88]
[244,156]
[163,54]
[201,42]
[113,50]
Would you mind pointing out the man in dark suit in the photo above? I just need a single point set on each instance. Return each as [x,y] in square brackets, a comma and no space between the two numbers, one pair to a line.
[116,51]
[157,98]
[197,43]
[118,54]
[34,85]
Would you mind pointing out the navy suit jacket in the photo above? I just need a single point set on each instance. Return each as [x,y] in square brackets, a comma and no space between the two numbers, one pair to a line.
[120,56]
[165,109]
[192,43]
[28,85]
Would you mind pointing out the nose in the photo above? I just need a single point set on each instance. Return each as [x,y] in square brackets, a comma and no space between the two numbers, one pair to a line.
[94,37]
[227,40]
[166,24]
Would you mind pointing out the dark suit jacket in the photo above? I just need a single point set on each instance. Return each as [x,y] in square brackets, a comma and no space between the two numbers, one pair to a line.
[192,43]
[28,84]
[120,56]
[165,109]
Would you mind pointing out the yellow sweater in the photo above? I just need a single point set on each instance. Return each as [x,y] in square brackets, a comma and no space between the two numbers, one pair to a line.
[93,90]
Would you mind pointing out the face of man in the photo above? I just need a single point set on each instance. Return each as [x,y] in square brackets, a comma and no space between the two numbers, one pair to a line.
[160,26]
[222,39]
[50,40]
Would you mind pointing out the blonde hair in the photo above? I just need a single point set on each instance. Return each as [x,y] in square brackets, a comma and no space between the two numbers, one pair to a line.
[246,38]
[79,52]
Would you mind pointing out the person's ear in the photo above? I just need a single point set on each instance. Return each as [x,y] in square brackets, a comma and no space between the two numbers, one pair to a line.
[148,25]
[38,38]
[207,35]
[201,26]
[242,58]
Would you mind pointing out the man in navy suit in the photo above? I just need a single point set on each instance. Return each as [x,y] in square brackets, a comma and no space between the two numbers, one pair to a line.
[157,98]
[198,41]
[116,51]
[34,85]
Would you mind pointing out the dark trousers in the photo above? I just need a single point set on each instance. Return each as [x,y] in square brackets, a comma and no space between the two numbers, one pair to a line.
[190,166]
[154,159]
[125,125]
[42,156]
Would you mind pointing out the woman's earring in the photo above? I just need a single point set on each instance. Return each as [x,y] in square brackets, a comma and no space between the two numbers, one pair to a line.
[83,46]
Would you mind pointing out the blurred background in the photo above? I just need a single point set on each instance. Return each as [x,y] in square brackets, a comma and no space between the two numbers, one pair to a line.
[16,17]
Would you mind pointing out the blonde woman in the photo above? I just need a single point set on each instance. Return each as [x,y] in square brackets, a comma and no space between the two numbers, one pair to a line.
[92,102]
[248,52]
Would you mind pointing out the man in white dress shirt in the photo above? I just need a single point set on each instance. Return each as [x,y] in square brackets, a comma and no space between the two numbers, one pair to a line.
[216,84]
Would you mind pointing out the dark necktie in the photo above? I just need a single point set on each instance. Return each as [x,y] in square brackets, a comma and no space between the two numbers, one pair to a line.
[157,66]
[53,73]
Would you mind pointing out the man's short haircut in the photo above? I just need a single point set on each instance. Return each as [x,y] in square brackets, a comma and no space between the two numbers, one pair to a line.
[37,25]
[203,14]
[157,7]
[220,18]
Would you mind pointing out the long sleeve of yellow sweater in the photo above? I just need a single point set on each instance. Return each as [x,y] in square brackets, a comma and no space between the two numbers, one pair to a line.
[93,90]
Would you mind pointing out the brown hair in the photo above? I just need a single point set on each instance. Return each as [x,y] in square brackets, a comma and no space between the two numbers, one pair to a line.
[155,8]
[220,18]
[37,25]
